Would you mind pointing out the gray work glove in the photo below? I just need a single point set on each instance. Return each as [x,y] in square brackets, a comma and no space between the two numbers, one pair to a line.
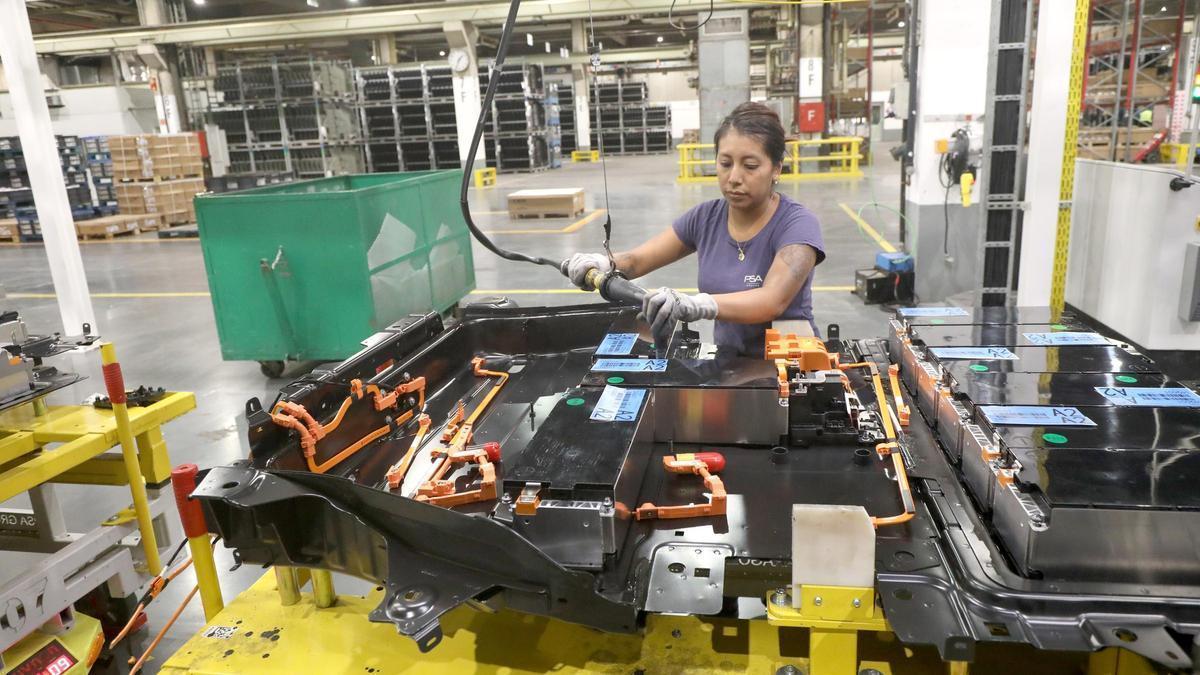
[580,264]
[664,307]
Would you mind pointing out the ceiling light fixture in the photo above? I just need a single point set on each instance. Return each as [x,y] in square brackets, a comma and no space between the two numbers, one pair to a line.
[900,24]
[198,2]
[547,47]
[529,39]
[659,39]
[312,3]
[442,52]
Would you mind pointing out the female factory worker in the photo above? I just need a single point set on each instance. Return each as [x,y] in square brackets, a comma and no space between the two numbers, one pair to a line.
[757,247]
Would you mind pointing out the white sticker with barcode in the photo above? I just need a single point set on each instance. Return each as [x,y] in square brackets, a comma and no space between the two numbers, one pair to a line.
[618,405]
[913,312]
[973,353]
[1035,416]
[630,366]
[617,344]
[1153,397]
[220,632]
[1066,338]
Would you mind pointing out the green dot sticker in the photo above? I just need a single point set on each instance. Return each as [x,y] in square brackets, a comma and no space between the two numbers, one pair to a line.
[1057,439]
[979,368]
[1058,326]
[615,379]
[574,401]
[937,321]
[1127,379]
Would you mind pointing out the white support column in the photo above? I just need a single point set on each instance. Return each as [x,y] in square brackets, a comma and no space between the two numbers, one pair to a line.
[162,83]
[462,37]
[1051,86]
[384,47]
[45,171]
[943,234]
[582,91]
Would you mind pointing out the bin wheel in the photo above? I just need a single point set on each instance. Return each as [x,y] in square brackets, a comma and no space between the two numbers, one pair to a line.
[271,369]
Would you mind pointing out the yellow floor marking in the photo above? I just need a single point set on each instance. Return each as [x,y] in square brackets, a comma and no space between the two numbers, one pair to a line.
[584,220]
[883,243]
[114,240]
[121,296]
[548,230]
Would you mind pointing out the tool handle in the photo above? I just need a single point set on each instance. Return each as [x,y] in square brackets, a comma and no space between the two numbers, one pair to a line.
[612,287]
[183,481]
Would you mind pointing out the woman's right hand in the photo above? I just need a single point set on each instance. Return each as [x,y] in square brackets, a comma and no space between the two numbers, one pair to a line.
[580,264]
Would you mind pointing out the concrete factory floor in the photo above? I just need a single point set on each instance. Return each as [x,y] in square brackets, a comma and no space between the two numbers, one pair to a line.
[151,301]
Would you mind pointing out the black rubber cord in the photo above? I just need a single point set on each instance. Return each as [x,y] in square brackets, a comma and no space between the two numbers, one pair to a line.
[493,82]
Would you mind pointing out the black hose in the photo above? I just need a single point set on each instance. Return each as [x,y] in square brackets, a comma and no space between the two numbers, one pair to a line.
[620,290]
[493,82]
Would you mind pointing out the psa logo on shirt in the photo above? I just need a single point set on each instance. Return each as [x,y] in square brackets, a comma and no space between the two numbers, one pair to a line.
[753,280]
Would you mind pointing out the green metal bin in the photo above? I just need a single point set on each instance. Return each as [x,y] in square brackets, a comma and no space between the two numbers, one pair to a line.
[307,270]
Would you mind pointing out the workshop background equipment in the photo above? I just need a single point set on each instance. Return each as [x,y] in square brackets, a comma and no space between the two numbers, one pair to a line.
[43,446]
[307,270]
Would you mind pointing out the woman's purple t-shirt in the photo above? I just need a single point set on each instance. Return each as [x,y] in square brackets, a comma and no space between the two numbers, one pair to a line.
[704,229]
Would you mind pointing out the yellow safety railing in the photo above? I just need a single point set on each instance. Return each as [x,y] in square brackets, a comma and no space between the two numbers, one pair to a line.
[839,162]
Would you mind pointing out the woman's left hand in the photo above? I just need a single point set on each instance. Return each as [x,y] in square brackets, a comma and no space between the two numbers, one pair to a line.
[664,307]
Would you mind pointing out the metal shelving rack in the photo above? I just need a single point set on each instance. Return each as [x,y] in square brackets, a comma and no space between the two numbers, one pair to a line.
[566,117]
[1133,54]
[627,124]
[294,117]
[519,134]
[554,126]
[1003,166]
[407,118]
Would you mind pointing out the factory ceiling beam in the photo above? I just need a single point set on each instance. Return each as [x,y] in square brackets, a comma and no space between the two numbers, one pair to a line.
[395,19]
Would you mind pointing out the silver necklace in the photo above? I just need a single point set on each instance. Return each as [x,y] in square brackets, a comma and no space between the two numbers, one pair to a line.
[738,244]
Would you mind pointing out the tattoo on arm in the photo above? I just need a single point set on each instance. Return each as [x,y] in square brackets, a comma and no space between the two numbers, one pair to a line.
[799,259]
[625,262]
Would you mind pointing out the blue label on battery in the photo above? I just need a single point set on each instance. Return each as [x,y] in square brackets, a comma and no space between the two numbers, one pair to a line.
[1035,416]
[630,366]
[973,353]
[911,312]
[617,344]
[1156,397]
[618,405]
[1065,338]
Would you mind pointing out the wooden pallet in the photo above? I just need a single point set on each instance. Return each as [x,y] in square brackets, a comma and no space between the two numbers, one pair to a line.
[152,179]
[546,203]
[149,222]
[107,227]
[9,230]
[541,216]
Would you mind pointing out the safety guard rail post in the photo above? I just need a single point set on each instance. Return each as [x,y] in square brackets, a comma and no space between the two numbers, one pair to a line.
[837,158]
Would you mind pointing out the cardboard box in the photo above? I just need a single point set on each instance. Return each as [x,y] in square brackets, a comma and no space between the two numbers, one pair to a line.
[155,156]
[546,203]
[171,199]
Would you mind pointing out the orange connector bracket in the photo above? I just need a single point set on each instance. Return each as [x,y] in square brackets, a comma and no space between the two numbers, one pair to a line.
[395,475]
[440,492]
[910,508]
[703,464]
[294,416]
[902,411]
[464,428]
[455,421]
